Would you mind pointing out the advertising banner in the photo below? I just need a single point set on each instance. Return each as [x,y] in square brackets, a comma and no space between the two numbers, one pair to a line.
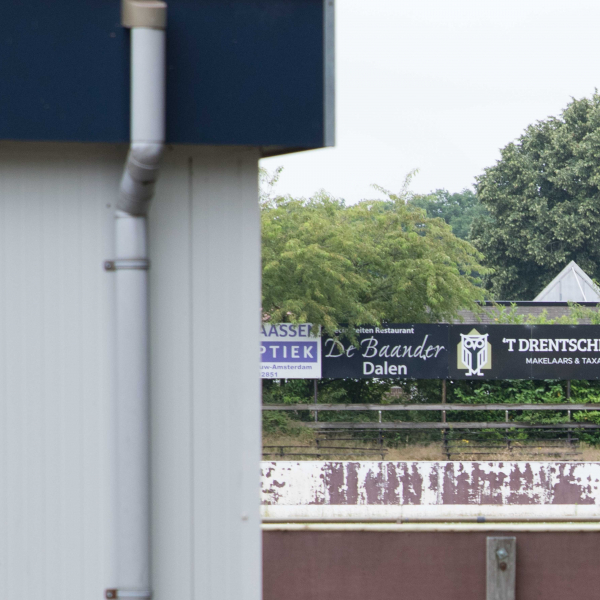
[406,351]
[475,352]
[524,352]
[562,351]
[425,351]
[479,352]
[290,351]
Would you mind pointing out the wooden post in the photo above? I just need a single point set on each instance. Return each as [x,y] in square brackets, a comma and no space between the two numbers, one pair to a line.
[501,568]
[380,439]
[444,433]
[316,400]
[569,412]
[443,399]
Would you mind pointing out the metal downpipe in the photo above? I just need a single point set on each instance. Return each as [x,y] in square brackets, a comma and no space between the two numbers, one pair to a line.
[147,20]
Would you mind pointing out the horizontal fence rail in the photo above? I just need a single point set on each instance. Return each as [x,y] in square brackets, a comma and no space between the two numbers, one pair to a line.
[448,425]
[430,407]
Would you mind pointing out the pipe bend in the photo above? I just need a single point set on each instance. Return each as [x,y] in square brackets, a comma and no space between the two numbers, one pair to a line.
[139,177]
[143,160]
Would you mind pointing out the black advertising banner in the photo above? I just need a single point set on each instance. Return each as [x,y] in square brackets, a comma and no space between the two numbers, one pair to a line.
[524,352]
[563,351]
[475,352]
[406,351]
[484,352]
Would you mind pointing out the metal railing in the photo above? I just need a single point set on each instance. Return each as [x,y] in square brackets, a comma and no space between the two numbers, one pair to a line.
[431,407]
[443,408]
[451,445]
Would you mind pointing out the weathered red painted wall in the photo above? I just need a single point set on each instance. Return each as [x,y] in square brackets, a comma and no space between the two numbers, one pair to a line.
[355,565]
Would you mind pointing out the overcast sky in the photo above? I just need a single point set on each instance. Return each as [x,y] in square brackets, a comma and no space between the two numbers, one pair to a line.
[441,86]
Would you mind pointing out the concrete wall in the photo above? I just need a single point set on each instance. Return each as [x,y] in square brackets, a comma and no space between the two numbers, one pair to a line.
[57,372]
[418,530]
[401,492]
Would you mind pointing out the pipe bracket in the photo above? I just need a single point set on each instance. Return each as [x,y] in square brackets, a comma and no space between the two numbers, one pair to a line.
[114,594]
[130,264]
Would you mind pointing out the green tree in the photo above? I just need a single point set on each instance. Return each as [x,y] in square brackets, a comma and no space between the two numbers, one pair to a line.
[458,210]
[328,263]
[378,260]
[543,203]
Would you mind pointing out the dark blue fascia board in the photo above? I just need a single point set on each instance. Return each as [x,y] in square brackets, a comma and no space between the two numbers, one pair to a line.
[239,72]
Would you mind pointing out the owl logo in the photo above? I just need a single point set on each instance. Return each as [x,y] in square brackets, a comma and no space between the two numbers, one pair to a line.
[474,353]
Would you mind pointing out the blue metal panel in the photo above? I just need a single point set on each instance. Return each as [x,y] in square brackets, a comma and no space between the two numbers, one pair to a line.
[247,72]
[64,71]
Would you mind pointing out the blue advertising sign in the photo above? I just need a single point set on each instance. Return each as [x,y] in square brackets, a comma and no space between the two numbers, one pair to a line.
[289,351]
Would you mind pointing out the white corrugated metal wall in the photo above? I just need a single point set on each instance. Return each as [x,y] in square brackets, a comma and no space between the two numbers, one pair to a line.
[205,306]
[56,372]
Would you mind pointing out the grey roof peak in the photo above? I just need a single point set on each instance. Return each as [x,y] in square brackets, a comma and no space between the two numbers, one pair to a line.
[571,284]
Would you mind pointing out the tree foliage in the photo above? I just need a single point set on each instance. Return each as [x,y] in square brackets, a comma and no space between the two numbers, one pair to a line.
[379,260]
[459,210]
[543,203]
